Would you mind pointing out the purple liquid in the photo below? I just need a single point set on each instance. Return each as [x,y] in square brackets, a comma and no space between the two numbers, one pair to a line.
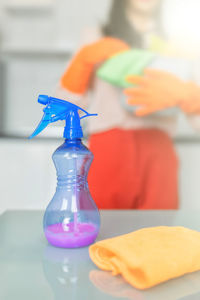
[71,236]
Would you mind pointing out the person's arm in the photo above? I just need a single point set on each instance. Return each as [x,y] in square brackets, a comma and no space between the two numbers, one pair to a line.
[77,79]
[158,90]
[89,35]
[78,76]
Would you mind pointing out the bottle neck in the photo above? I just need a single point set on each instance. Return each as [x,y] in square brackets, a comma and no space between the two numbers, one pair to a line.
[73,141]
[73,129]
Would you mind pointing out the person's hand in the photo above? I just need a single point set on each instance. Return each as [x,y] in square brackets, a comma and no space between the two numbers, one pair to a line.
[191,102]
[157,90]
[78,75]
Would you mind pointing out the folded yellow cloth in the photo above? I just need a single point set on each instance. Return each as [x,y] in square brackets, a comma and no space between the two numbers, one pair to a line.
[149,256]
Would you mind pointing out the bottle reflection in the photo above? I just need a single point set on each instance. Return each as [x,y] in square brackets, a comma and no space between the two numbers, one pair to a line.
[66,271]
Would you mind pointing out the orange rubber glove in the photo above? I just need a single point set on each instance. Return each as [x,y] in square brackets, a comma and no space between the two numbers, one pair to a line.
[191,103]
[149,256]
[158,90]
[78,75]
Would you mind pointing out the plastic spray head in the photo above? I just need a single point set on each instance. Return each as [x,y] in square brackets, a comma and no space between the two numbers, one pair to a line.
[57,109]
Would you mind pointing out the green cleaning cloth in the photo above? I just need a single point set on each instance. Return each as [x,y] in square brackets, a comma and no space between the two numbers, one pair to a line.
[118,67]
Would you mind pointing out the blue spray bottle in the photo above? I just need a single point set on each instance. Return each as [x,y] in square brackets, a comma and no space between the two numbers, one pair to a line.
[71,219]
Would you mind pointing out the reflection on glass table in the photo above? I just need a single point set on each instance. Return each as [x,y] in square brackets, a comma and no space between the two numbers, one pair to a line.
[31,269]
[185,288]
[67,271]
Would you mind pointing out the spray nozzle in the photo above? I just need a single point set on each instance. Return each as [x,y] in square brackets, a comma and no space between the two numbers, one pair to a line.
[57,109]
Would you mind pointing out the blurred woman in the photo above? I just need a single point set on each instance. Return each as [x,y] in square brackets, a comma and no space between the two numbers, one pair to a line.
[135,165]
[134,21]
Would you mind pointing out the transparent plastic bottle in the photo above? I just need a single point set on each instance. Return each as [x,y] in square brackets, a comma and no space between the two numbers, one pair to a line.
[72,218]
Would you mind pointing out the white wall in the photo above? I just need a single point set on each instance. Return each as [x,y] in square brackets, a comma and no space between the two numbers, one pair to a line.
[189,184]
[55,24]
[27,174]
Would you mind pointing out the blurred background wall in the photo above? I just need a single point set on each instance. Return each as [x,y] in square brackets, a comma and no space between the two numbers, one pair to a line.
[37,39]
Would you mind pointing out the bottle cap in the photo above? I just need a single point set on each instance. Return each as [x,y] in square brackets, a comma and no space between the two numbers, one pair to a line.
[57,109]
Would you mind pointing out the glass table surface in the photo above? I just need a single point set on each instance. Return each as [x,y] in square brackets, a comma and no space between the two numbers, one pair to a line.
[33,270]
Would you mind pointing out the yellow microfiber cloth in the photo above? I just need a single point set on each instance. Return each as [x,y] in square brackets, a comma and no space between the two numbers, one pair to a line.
[149,256]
